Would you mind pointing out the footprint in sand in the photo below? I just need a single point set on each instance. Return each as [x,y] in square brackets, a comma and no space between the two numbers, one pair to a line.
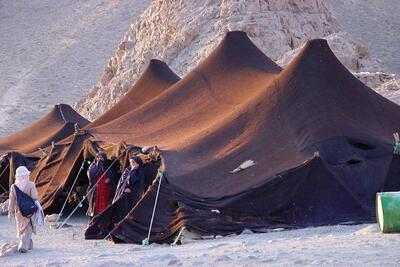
[218,245]
[223,258]
[174,262]
[198,263]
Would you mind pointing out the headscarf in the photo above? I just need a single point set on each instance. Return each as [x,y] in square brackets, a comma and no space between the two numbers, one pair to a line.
[102,154]
[21,177]
[138,160]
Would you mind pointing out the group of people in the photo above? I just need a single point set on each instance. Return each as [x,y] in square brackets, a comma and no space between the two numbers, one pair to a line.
[104,189]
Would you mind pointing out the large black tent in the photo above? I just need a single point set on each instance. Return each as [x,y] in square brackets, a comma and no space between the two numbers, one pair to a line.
[56,166]
[27,146]
[321,140]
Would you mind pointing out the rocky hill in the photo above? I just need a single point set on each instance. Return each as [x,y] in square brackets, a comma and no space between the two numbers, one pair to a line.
[183,33]
[61,48]
[376,23]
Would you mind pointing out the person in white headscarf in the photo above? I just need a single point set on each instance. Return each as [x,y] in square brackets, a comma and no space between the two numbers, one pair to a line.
[25,226]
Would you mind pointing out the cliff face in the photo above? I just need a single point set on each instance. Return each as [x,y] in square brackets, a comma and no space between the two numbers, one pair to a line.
[377,23]
[183,32]
[351,52]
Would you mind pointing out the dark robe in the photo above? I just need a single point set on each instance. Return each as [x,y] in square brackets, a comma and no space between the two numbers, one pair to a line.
[95,172]
[130,179]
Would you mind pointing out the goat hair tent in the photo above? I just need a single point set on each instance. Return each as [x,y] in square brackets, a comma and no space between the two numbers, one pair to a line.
[154,80]
[321,141]
[55,170]
[53,127]
[22,148]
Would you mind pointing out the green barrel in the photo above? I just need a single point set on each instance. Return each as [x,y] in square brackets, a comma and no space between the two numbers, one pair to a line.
[388,211]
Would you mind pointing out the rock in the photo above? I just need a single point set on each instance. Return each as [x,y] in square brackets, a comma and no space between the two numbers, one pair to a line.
[7,248]
[247,232]
[183,33]
[385,84]
[379,81]
[51,218]
[189,237]
[4,207]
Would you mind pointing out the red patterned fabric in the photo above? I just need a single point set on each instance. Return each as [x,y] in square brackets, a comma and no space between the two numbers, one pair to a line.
[102,194]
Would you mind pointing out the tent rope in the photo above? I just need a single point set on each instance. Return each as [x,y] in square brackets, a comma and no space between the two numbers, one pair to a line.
[90,190]
[146,241]
[5,190]
[119,223]
[396,147]
[62,114]
[70,191]
[178,238]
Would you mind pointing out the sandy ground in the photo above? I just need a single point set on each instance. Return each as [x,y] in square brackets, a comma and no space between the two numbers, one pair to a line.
[54,51]
[359,245]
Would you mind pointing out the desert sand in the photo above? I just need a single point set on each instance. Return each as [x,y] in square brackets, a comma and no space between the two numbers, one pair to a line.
[341,245]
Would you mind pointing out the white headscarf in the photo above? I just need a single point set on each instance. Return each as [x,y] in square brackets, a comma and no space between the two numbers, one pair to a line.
[21,177]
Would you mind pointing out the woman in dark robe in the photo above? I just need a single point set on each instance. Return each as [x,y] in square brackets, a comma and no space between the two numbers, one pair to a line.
[129,188]
[103,178]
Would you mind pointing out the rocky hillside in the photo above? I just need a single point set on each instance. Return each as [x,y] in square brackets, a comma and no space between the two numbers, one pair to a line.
[375,22]
[182,33]
[61,48]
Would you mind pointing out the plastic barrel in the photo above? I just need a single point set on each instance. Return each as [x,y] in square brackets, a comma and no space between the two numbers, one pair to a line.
[388,211]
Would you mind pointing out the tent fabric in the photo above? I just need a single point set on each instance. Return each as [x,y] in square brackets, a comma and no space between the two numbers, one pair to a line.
[156,78]
[56,170]
[103,223]
[8,166]
[321,141]
[53,127]
[287,200]
[206,99]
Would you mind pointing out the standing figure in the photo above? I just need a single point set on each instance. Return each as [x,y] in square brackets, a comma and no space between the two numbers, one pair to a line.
[129,188]
[130,177]
[25,225]
[102,179]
